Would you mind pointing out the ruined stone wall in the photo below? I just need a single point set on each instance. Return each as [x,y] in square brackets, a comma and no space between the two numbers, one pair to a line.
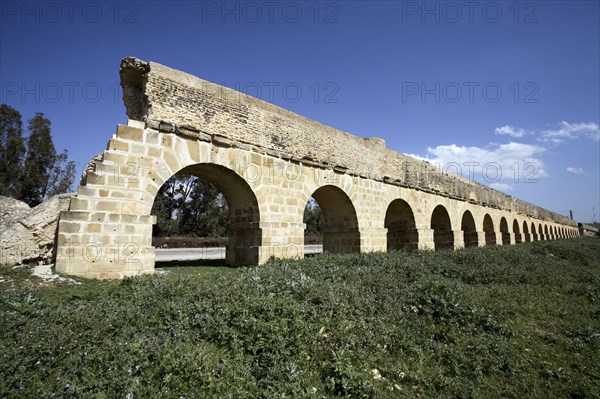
[173,101]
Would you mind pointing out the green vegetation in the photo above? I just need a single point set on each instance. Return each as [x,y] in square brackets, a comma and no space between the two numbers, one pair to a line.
[507,321]
[30,168]
[189,206]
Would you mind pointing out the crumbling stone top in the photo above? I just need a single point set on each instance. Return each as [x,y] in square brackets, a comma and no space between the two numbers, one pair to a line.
[180,103]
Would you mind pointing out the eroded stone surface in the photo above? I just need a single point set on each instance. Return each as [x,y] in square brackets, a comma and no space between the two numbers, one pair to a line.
[11,210]
[30,236]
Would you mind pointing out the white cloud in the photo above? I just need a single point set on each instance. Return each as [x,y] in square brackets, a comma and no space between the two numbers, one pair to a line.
[501,186]
[568,130]
[577,171]
[510,130]
[511,161]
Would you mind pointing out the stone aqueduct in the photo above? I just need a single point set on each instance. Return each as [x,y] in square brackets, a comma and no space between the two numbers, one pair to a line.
[268,162]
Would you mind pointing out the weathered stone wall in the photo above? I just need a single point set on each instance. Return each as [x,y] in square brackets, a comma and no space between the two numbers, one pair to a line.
[178,102]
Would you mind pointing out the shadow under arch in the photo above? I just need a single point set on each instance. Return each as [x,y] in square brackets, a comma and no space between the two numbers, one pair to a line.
[400,222]
[467,225]
[541,232]
[534,236]
[517,232]
[526,235]
[340,223]
[443,236]
[488,229]
[243,233]
[504,231]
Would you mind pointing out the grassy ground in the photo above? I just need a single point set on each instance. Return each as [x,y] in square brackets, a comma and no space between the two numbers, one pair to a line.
[516,322]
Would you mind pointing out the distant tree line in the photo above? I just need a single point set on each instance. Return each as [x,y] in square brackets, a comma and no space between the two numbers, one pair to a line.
[30,168]
[188,206]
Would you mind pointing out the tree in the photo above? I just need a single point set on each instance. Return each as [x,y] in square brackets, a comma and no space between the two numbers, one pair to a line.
[206,214]
[188,206]
[12,151]
[39,161]
[313,218]
[62,175]
[31,170]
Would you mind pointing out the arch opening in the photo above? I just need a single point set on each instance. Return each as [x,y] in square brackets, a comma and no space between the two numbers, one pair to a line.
[240,218]
[540,232]
[313,227]
[401,228]
[504,231]
[534,236]
[340,223]
[467,225]
[488,229]
[546,234]
[443,236]
[526,235]
[517,232]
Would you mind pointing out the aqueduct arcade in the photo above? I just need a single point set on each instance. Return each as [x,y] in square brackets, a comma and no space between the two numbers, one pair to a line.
[268,163]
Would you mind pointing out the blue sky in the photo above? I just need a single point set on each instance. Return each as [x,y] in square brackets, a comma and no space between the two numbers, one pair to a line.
[499,86]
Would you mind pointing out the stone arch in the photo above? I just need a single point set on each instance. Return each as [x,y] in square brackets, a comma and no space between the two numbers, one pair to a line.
[526,236]
[244,234]
[488,229]
[469,229]
[541,232]
[546,233]
[517,232]
[534,235]
[555,232]
[340,223]
[443,236]
[504,231]
[401,227]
